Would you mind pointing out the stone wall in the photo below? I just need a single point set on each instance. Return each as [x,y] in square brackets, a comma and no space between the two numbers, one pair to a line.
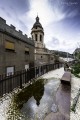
[16,58]
[11,30]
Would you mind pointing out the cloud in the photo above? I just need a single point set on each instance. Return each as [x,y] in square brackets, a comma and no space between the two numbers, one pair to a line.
[23,26]
[18,6]
[53,42]
[60,21]
[13,12]
[72,13]
[67,44]
[67,8]
[56,22]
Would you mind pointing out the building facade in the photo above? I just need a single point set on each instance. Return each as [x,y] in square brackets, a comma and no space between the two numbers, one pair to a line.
[42,54]
[16,49]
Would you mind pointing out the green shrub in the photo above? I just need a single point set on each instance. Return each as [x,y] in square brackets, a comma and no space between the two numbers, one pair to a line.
[76,69]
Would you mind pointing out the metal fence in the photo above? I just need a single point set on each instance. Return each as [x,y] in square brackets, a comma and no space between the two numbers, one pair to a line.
[8,83]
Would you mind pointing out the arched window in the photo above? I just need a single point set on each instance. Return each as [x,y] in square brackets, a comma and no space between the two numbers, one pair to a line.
[40,37]
[36,37]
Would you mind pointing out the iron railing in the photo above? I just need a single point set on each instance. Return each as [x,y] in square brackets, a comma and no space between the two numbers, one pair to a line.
[11,81]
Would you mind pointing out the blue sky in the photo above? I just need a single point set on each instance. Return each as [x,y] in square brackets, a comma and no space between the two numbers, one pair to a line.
[59,18]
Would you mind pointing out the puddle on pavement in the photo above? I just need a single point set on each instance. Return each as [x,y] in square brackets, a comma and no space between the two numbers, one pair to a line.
[35,101]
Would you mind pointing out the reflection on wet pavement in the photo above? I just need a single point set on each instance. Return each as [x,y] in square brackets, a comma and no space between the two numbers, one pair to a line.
[35,101]
[32,111]
[40,99]
[35,90]
[49,106]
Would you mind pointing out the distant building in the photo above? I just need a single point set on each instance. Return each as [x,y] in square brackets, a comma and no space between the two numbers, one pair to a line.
[42,54]
[16,49]
[62,53]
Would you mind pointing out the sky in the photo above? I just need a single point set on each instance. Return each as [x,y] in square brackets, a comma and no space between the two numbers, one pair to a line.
[59,18]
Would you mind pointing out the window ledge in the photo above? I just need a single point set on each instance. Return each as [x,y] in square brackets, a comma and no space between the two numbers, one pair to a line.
[12,51]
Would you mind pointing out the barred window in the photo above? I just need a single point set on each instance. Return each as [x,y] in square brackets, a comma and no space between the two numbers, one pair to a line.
[10,70]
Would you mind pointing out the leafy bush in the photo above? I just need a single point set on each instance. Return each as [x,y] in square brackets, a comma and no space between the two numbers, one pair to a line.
[76,69]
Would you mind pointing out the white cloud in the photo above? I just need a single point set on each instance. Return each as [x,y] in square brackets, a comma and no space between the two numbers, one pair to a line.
[49,19]
[73,13]
[45,12]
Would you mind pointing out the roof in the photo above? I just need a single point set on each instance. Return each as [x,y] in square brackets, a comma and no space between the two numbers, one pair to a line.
[37,23]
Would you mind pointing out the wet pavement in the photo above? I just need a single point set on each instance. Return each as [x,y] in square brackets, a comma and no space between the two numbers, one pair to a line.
[35,101]
[51,101]
[32,111]
[42,100]
[63,97]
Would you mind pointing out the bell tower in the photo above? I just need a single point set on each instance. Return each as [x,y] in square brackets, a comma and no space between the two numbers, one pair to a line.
[41,54]
[37,34]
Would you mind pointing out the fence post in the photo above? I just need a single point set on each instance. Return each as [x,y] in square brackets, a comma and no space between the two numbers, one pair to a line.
[46,69]
[58,65]
[2,85]
[25,76]
[53,66]
[39,70]
[21,80]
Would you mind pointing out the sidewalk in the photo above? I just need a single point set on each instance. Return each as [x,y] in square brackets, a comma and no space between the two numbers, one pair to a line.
[62,98]
[54,74]
[75,85]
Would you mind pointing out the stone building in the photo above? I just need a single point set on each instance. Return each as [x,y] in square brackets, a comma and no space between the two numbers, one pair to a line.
[18,52]
[42,54]
[16,49]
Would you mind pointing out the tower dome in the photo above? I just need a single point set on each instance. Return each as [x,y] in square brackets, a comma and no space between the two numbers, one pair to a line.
[37,23]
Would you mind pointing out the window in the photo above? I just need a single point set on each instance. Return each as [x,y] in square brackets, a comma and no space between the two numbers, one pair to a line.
[41,56]
[36,37]
[10,70]
[40,37]
[26,66]
[9,45]
[27,50]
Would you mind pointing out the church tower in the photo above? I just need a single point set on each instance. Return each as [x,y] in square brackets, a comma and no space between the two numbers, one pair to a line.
[41,53]
[37,34]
